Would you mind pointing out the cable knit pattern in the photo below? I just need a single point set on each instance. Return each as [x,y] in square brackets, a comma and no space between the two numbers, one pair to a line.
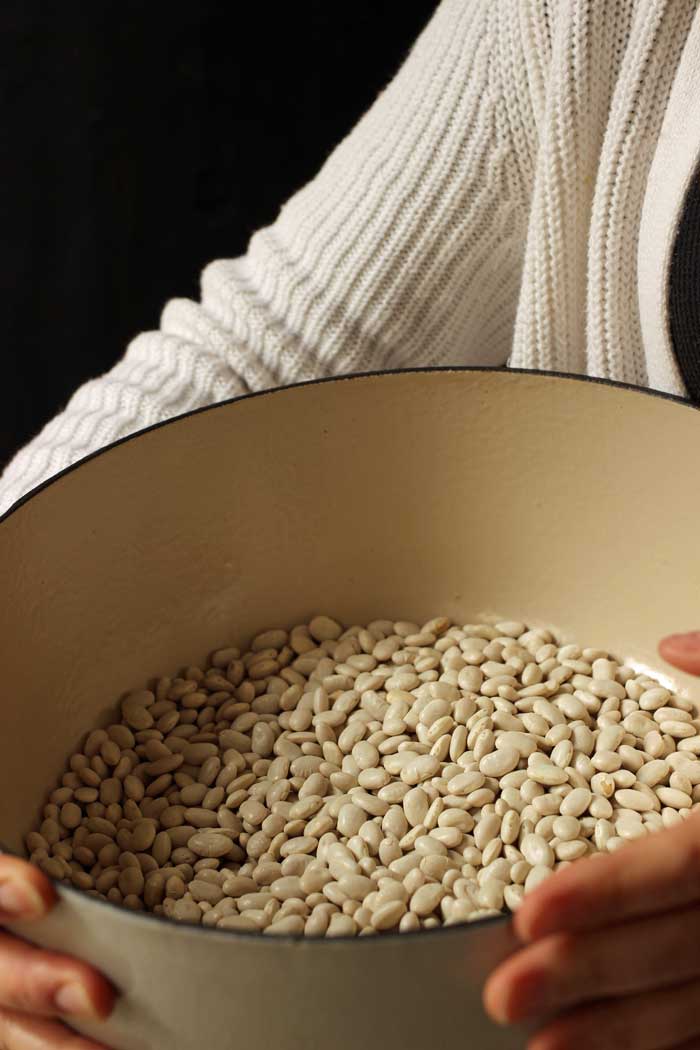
[485,210]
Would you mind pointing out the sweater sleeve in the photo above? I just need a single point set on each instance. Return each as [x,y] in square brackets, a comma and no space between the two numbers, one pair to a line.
[406,249]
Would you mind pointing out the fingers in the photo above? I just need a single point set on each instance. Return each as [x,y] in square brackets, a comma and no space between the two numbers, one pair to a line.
[19,1032]
[683,651]
[658,873]
[562,971]
[48,984]
[663,1021]
[40,982]
[25,893]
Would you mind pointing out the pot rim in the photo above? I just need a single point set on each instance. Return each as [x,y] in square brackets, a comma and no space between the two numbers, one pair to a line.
[344,377]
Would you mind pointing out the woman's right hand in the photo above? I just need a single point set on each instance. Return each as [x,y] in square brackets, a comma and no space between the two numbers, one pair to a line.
[37,987]
[683,651]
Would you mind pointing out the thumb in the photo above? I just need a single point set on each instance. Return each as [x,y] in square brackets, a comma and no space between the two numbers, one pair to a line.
[683,651]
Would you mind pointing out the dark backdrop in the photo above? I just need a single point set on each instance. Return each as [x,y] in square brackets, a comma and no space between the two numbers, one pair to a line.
[141,140]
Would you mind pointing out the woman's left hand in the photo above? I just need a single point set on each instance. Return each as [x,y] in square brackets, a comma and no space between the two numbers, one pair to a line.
[612,951]
[611,956]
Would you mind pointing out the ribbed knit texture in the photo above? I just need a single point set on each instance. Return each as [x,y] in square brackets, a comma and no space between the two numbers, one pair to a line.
[485,210]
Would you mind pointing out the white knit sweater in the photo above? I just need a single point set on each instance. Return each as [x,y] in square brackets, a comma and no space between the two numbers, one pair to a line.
[509,198]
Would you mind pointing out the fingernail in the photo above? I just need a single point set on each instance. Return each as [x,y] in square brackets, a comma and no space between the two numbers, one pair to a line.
[72,1000]
[19,901]
[498,1012]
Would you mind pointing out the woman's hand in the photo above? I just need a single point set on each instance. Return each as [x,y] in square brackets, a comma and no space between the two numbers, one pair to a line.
[612,943]
[683,651]
[612,946]
[36,987]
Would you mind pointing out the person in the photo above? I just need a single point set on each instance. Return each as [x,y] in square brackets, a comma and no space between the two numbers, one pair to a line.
[523,193]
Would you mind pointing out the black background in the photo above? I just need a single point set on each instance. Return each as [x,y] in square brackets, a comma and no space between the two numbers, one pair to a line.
[141,140]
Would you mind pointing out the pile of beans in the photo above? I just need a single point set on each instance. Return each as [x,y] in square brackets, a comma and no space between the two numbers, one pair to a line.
[391,777]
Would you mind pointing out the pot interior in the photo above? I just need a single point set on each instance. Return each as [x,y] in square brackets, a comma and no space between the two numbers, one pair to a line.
[552,500]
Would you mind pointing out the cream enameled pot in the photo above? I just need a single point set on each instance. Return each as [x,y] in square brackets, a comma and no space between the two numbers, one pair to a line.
[554,500]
